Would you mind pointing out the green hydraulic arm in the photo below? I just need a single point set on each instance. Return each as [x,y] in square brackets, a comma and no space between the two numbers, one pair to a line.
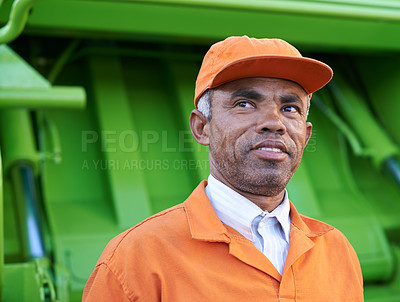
[17,20]
[22,160]
[377,144]
[23,89]
[18,17]
[21,157]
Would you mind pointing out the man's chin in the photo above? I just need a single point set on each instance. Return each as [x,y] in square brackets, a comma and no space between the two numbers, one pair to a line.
[268,191]
[265,186]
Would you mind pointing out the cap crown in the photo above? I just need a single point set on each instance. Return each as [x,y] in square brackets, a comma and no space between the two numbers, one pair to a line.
[240,57]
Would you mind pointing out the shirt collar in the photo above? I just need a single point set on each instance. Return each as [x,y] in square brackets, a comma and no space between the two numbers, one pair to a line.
[238,212]
[205,225]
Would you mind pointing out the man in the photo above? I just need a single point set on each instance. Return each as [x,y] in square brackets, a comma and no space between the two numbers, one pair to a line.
[238,237]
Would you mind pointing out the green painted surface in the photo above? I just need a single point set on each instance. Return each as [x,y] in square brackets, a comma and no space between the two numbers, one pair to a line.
[17,73]
[21,283]
[205,21]
[129,153]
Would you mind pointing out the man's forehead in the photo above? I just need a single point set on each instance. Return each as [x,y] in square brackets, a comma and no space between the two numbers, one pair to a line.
[259,85]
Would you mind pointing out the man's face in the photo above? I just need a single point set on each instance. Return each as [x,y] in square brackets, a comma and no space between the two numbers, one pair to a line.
[257,133]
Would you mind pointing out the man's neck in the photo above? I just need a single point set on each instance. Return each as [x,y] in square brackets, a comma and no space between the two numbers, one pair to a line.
[266,203]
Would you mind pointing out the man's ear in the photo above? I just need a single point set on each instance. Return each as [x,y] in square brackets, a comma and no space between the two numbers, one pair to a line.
[200,127]
[308,132]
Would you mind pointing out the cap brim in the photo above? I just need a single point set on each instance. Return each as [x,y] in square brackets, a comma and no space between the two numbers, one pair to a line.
[308,73]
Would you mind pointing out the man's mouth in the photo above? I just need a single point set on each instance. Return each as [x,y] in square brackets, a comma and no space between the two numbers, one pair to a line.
[270,149]
[273,150]
[271,146]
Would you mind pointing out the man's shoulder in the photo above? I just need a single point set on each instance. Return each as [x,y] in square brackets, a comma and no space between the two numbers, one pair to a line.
[337,251]
[329,233]
[315,226]
[164,225]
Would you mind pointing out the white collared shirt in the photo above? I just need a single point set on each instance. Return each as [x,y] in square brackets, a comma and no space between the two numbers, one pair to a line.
[269,232]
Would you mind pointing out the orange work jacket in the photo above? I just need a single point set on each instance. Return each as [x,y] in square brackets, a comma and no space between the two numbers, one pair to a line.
[186,254]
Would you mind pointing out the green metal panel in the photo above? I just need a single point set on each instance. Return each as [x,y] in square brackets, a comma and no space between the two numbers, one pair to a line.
[21,283]
[338,25]
[119,138]
[28,281]
[376,143]
[381,78]
[181,75]
[18,73]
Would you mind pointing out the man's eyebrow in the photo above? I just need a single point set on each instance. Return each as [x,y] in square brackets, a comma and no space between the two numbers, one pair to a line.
[290,98]
[247,94]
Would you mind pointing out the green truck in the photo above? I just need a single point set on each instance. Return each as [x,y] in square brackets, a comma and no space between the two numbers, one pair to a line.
[94,135]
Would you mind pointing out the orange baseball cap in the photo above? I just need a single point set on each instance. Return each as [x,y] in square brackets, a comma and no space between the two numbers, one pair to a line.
[243,57]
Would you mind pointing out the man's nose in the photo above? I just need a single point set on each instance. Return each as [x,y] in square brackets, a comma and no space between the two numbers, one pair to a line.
[270,120]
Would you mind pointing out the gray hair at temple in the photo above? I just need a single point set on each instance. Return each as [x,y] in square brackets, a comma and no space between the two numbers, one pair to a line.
[204,104]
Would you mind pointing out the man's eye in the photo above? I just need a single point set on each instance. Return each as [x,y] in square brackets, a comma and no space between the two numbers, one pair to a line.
[291,109]
[244,104]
